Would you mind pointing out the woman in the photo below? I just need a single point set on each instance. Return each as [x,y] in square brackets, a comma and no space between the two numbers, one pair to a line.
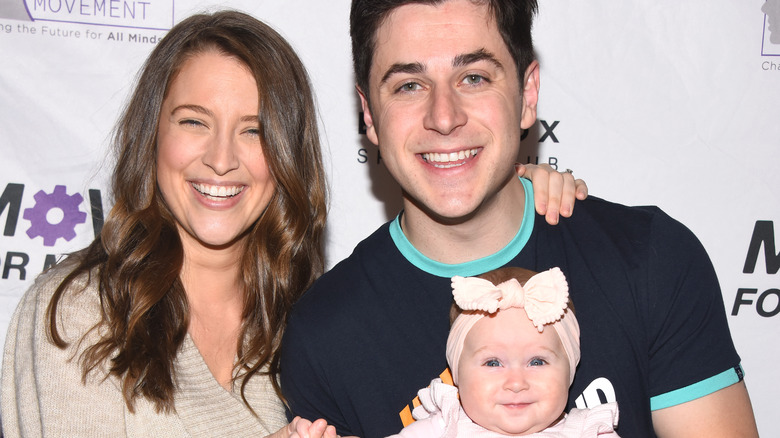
[166,325]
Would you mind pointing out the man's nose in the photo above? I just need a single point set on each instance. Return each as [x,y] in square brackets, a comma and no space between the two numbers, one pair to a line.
[445,111]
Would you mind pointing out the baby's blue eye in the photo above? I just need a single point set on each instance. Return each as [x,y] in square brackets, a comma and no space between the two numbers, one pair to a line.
[537,362]
[493,363]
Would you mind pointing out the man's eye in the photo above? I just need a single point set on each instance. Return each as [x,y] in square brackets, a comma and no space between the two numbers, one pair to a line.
[409,87]
[474,79]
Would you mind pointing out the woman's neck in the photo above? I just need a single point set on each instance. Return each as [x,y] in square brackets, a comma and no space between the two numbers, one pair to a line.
[211,281]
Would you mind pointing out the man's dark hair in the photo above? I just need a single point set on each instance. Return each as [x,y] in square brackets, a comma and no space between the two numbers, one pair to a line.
[514,19]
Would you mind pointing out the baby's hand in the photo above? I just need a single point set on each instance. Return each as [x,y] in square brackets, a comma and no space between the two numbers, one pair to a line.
[303,428]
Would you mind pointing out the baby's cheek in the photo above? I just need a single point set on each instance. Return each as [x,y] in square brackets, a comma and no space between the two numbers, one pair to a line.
[473,401]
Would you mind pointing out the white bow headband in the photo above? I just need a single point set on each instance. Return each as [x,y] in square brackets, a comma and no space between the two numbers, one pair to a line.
[544,298]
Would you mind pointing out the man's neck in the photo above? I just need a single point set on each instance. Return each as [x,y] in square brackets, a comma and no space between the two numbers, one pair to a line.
[485,232]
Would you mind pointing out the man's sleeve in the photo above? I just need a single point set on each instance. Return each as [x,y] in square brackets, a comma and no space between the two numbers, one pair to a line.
[691,350]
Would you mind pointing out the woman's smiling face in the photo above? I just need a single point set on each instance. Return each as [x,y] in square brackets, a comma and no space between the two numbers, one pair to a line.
[211,170]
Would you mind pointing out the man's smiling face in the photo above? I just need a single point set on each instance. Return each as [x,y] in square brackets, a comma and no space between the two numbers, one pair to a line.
[447,106]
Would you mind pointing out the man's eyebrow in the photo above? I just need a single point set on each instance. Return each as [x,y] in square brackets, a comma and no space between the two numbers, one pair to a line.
[476,56]
[459,61]
[410,68]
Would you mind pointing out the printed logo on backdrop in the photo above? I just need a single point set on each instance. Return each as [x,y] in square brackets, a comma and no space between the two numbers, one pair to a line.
[139,14]
[770,43]
[764,301]
[543,132]
[44,16]
[50,219]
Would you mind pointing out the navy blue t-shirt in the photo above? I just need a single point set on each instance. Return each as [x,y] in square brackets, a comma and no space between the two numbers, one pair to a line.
[372,331]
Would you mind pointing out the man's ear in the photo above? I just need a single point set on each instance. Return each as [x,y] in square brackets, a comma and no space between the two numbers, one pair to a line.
[367,118]
[530,95]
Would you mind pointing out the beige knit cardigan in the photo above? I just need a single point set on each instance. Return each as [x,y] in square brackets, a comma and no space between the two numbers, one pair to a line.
[43,393]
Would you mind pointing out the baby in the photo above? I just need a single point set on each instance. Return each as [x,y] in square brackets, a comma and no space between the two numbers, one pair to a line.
[512,376]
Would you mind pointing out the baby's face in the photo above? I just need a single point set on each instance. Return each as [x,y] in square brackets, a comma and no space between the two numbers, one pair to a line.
[511,378]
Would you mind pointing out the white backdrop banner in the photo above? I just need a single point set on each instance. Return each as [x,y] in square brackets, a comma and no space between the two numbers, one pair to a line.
[665,103]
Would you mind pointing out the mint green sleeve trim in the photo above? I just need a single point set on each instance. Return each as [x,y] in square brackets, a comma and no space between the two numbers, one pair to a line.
[698,389]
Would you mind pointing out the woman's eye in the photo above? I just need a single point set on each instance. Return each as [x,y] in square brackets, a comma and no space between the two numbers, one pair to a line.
[190,122]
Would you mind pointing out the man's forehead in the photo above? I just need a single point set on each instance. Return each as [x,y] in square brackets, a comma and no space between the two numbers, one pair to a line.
[444,14]
[454,32]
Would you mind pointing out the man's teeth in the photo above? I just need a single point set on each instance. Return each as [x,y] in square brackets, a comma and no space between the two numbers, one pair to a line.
[451,159]
[217,191]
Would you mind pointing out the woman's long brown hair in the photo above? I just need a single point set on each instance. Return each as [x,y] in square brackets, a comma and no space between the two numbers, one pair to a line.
[138,257]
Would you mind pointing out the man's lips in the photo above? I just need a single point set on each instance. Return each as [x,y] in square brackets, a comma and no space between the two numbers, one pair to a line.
[450,159]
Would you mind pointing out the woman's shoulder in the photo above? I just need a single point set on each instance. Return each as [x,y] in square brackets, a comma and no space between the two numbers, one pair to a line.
[78,308]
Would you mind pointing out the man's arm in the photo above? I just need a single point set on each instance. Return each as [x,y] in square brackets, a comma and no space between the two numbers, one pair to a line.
[724,413]
[305,389]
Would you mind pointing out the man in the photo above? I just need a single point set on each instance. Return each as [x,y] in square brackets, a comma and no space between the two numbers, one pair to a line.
[446,87]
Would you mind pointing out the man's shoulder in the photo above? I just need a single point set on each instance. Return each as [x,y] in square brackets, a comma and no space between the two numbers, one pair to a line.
[628,234]
[621,222]
[604,211]
[339,290]
[365,257]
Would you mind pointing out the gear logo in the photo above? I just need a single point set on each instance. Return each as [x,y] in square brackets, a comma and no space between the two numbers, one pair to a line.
[44,203]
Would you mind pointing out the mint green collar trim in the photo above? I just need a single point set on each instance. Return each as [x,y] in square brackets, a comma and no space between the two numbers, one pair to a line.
[474,267]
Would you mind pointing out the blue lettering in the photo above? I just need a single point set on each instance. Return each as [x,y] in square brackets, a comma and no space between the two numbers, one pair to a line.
[119,9]
[100,6]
